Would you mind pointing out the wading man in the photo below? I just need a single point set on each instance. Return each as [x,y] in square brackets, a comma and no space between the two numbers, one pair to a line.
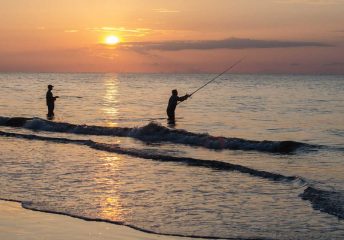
[172,104]
[50,102]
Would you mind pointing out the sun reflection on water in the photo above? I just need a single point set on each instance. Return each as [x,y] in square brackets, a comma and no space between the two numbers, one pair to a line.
[111,208]
[111,101]
[110,202]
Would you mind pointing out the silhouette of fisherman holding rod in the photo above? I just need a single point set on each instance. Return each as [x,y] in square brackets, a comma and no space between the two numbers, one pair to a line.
[50,102]
[172,104]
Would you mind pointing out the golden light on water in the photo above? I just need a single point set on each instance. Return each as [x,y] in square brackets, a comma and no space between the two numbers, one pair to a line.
[110,200]
[112,208]
[112,40]
[111,101]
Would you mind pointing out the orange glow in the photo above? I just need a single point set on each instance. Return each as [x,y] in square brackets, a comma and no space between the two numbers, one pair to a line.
[144,36]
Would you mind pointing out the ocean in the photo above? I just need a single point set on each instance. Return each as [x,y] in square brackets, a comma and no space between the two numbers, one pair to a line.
[250,157]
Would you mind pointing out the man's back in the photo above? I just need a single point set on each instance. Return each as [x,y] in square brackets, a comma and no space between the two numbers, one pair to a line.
[172,103]
[50,98]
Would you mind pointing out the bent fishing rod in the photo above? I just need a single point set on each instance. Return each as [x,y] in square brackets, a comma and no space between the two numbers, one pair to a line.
[232,66]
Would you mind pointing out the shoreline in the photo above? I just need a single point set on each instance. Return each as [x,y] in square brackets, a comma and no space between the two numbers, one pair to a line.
[18,223]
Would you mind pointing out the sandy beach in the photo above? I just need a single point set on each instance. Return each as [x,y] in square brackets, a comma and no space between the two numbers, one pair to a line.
[18,223]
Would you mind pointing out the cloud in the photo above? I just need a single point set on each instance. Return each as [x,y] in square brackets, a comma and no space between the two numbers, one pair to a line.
[313,2]
[120,29]
[164,10]
[231,43]
[71,31]
[334,64]
[41,54]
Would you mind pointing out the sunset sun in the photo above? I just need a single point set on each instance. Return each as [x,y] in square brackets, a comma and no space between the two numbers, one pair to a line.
[111,40]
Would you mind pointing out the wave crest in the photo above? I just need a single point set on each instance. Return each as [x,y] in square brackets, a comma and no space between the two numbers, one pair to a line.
[330,202]
[154,132]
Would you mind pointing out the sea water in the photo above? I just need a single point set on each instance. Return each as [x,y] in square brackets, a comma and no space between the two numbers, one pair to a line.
[251,156]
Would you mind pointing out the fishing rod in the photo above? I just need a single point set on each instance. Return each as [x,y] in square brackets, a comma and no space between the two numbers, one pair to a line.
[232,66]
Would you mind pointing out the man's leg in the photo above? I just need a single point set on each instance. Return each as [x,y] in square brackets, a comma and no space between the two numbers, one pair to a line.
[171,117]
[50,110]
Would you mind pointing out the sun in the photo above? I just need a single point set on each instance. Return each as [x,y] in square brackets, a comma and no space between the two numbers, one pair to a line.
[111,40]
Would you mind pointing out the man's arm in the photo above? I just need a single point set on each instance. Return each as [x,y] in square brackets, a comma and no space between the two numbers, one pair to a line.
[183,98]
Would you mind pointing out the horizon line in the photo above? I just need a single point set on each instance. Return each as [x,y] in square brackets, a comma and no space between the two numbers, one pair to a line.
[110,72]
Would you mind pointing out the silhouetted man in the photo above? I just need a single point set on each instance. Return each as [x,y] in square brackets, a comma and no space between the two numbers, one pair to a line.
[172,104]
[50,101]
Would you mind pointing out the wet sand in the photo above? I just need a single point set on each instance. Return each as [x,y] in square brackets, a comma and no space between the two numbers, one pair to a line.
[17,223]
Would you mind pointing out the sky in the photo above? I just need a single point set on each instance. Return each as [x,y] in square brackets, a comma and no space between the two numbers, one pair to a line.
[179,36]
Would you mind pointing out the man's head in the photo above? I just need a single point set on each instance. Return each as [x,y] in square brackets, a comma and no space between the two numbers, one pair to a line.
[175,92]
[50,87]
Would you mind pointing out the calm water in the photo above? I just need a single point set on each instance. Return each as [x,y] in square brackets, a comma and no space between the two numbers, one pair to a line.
[251,156]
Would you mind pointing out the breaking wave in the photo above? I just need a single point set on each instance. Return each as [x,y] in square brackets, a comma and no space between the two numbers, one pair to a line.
[154,132]
[330,202]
